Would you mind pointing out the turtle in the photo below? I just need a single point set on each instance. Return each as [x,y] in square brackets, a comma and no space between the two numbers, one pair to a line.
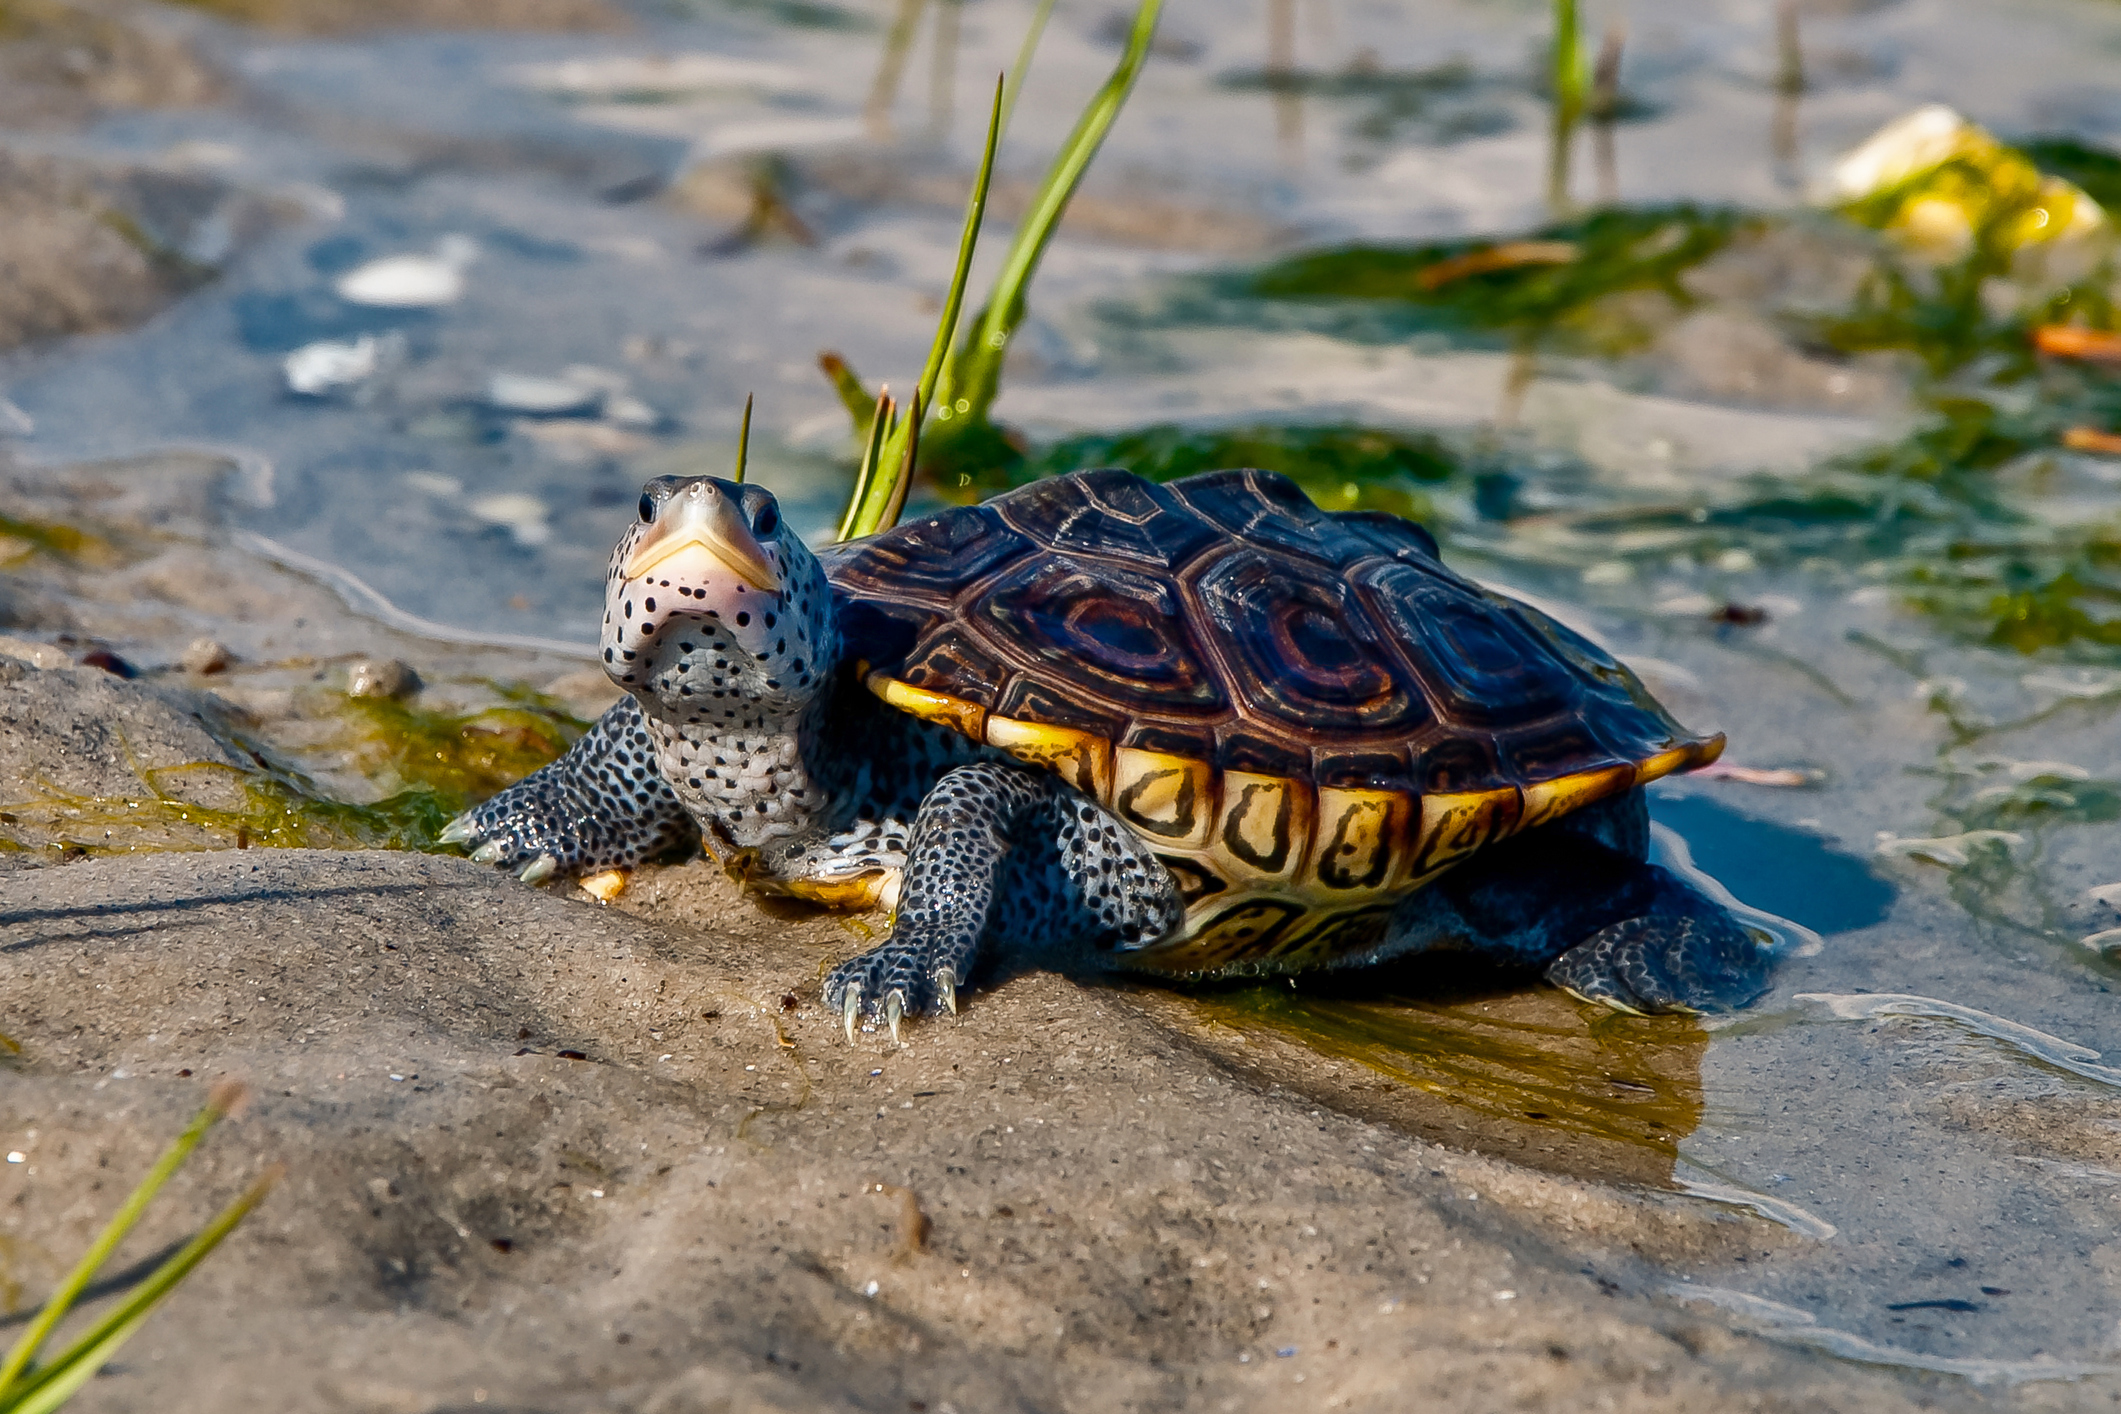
[1198,728]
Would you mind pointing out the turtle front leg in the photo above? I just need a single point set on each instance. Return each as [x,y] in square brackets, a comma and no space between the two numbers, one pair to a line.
[1001,854]
[604,805]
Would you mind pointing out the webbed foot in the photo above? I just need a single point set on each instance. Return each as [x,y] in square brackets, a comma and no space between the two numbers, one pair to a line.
[1698,960]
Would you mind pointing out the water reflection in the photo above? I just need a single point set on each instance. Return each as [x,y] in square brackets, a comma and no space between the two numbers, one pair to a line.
[1530,1074]
[1470,1057]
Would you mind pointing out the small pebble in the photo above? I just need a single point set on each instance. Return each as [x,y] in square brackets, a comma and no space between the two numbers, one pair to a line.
[110,663]
[382,677]
[207,655]
[541,397]
[411,281]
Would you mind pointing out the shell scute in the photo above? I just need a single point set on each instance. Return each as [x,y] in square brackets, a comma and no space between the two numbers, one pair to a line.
[1033,699]
[1267,508]
[1393,536]
[929,560]
[1124,631]
[1303,651]
[954,660]
[1484,668]
[1109,515]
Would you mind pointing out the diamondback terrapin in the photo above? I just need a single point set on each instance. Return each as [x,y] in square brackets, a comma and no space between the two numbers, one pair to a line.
[1198,729]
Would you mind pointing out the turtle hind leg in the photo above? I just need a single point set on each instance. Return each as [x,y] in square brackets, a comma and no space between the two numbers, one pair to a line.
[1575,900]
[1685,954]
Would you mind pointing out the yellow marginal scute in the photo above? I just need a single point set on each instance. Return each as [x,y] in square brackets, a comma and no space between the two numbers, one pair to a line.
[1082,759]
[1550,800]
[939,707]
[1264,829]
[1169,799]
[1455,824]
[1680,758]
[1362,839]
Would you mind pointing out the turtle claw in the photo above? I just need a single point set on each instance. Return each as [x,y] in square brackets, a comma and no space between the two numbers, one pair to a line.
[489,852]
[458,831]
[881,989]
[540,869]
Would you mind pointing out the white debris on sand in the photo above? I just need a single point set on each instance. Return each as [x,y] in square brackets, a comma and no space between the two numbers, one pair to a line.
[328,365]
[411,281]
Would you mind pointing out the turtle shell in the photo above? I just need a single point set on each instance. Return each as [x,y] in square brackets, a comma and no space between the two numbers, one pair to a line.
[1306,713]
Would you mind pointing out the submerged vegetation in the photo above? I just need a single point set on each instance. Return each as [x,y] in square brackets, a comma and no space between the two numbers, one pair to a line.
[1559,284]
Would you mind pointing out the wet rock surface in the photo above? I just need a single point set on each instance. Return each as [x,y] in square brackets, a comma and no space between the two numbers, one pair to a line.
[72,735]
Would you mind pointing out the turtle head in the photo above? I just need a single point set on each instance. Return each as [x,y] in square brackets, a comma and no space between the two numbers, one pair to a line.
[714,612]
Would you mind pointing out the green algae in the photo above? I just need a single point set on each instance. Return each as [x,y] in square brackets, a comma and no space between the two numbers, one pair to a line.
[1618,251]
[432,764]
[460,759]
[64,542]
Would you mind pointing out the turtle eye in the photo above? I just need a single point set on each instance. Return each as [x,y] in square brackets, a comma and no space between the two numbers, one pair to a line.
[647,509]
[766,521]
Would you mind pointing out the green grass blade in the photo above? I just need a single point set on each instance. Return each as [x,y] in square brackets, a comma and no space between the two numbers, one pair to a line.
[902,478]
[222,1099]
[1022,69]
[975,375]
[53,1384]
[865,476]
[870,509]
[743,443]
[1569,85]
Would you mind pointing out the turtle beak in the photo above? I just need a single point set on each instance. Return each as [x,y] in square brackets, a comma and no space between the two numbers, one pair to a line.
[700,533]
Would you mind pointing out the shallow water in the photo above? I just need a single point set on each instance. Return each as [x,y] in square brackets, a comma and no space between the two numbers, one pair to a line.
[1949,1163]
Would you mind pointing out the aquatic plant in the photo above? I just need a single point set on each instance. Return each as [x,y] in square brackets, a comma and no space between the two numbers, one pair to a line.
[1553,285]
[1570,82]
[31,1386]
[959,384]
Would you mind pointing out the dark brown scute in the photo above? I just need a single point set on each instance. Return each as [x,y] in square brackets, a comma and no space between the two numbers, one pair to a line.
[1225,617]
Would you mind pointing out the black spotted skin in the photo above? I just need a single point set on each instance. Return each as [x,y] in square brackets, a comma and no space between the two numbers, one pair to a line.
[603,805]
[1324,676]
